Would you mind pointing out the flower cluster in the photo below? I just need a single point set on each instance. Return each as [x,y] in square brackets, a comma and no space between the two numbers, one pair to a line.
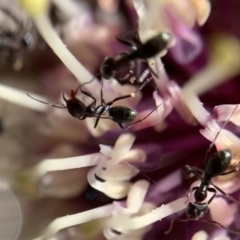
[114,183]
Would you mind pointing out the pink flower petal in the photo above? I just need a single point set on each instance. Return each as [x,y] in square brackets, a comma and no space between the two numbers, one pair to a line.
[155,116]
[222,212]
[188,43]
[225,111]
[189,111]
[225,139]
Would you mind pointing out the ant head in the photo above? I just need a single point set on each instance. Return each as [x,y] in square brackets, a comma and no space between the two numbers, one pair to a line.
[72,96]
[74,106]
[196,210]
[106,69]
[219,162]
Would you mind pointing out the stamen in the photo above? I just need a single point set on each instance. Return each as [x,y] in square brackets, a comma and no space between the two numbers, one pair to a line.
[45,28]
[20,98]
[127,224]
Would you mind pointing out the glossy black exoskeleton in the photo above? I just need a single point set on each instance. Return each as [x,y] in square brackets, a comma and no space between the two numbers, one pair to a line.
[118,114]
[139,51]
[214,166]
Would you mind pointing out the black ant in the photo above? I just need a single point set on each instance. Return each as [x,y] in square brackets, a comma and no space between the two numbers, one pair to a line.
[118,114]
[140,51]
[214,166]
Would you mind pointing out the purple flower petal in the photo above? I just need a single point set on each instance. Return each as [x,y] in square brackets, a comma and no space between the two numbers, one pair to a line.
[188,42]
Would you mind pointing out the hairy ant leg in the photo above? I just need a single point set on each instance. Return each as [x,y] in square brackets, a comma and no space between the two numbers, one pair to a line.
[225,194]
[50,104]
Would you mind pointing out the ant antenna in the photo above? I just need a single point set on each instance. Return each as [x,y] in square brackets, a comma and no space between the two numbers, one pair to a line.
[205,221]
[176,220]
[223,126]
[50,104]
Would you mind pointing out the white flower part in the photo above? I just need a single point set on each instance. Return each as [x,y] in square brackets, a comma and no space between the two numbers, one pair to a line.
[135,205]
[225,139]
[225,111]
[195,106]
[200,235]
[20,98]
[115,177]
[152,17]
[223,237]
[127,224]
[222,212]
[75,219]
[121,147]
[46,30]
[222,66]
[136,196]
[111,176]
[203,8]
[48,165]
[113,189]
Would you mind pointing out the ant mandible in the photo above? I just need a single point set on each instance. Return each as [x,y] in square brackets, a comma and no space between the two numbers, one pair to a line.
[140,51]
[214,166]
[118,114]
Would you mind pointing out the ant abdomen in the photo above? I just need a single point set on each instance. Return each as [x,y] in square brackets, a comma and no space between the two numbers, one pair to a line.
[76,108]
[219,162]
[153,46]
[121,114]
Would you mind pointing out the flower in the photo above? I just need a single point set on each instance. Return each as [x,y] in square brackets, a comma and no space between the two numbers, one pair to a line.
[144,166]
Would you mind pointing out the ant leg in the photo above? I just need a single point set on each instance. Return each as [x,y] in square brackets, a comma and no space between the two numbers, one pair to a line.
[227,229]
[80,86]
[140,120]
[50,104]
[225,194]
[130,95]
[226,173]
[196,171]
[150,68]
[232,171]
[176,220]
[101,93]
[214,195]
[89,95]
[98,118]
[213,142]
[121,126]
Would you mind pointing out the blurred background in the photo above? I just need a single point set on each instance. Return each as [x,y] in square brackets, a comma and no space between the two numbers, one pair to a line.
[88,28]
